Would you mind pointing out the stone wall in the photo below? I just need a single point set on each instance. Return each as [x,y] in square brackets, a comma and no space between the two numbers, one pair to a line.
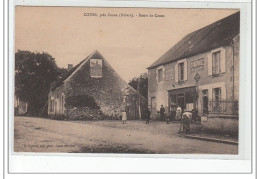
[84,113]
[108,91]
[220,124]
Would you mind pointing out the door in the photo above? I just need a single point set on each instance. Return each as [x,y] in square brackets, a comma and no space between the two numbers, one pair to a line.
[180,100]
[205,100]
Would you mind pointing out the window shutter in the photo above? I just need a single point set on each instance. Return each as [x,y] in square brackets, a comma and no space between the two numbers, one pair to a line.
[176,72]
[222,61]
[210,64]
[223,94]
[185,71]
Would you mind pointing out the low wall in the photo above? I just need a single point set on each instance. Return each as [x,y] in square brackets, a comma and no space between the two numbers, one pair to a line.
[220,124]
[84,113]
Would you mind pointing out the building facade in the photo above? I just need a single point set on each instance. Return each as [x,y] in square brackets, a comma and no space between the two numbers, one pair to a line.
[200,72]
[93,90]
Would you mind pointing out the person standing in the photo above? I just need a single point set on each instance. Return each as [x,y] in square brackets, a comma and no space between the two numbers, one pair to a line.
[124,117]
[178,113]
[148,116]
[162,111]
[179,117]
[174,113]
[186,117]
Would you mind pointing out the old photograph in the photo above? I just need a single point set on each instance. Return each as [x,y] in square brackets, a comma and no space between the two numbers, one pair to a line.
[126,80]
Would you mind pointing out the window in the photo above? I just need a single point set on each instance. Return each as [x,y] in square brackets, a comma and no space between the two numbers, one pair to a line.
[217,94]
[160,75]
[181,71]
[96,68]
[216,63]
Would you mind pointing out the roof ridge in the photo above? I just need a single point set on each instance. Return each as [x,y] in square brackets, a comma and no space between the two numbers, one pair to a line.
[81,64]
[209,37]
[71,72]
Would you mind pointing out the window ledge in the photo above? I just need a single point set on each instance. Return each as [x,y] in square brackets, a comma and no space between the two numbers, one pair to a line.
[181,82]
[217,75]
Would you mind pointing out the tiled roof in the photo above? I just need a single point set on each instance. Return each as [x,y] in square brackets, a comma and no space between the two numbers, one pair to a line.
[215,35]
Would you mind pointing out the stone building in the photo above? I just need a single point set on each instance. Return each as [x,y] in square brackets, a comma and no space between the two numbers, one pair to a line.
[200,72]
[20,107]
[93,90]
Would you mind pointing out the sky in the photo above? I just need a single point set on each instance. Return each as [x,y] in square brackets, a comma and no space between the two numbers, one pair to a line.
[129,44]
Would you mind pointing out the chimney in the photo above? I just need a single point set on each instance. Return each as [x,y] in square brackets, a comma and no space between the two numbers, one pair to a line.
[70,66]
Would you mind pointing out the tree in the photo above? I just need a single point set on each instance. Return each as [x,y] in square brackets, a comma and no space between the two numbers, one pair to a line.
[142,81]
[34,72]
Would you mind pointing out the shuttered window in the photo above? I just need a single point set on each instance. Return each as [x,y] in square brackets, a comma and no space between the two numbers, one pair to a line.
[216,63]
[181,71]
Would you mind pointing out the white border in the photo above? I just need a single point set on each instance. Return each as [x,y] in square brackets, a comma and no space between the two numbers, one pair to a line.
[107,163]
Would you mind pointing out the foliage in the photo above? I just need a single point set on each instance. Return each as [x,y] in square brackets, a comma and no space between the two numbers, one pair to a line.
[34,72]
[62,72]
[140,84]
[82,101]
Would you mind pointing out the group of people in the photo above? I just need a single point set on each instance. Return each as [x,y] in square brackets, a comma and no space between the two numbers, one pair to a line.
[176,114]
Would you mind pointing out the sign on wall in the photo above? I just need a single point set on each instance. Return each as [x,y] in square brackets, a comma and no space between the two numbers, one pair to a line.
[197,65]
[96,68]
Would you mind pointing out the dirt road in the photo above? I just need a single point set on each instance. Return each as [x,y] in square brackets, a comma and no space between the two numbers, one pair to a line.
[45,135]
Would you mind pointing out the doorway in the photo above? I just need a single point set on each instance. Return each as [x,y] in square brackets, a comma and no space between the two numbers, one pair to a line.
[205,100]
[180,100]
[183,97]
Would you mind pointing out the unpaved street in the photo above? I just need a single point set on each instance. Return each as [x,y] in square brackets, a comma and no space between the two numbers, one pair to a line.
[45,135]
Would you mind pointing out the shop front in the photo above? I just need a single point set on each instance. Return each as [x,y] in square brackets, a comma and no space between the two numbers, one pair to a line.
[186,98]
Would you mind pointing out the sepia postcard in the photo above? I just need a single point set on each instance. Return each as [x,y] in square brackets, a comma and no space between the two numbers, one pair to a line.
[122,80]
[125,80]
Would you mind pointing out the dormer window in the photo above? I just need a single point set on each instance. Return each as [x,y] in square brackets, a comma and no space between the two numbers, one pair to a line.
[96,68]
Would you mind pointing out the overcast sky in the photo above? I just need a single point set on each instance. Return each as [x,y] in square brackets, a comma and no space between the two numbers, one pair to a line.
[130,45]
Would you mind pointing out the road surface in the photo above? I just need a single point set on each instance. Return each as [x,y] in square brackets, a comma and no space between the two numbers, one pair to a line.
[46,135]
